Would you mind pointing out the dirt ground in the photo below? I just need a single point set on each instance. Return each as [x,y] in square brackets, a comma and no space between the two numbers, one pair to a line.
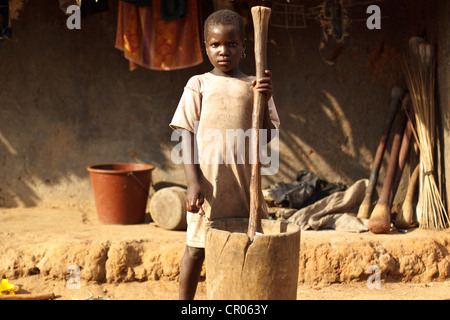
[168,290]
[33,235]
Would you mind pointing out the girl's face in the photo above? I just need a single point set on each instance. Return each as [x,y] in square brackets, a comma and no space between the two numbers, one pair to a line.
[224,48]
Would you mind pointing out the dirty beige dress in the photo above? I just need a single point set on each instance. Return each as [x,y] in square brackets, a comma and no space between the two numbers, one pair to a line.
[213,107]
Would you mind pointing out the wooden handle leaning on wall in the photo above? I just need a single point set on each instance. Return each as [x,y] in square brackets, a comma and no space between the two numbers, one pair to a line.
[260,16]
[366,205]
[405,218]
[404,149]
[380,219]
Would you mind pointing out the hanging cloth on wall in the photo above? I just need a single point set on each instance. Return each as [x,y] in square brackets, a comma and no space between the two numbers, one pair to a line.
[5,25]
[153,43]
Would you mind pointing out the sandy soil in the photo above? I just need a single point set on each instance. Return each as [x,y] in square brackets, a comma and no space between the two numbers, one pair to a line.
[168,290]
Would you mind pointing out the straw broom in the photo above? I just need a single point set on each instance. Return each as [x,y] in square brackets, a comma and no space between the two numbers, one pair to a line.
[419,69]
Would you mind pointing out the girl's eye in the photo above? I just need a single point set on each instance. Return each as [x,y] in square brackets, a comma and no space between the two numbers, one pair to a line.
[214,45]
[232,44]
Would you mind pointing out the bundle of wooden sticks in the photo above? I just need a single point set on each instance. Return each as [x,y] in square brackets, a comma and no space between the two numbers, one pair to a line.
[415,118]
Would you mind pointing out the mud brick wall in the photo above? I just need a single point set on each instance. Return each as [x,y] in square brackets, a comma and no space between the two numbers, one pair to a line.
[68,99]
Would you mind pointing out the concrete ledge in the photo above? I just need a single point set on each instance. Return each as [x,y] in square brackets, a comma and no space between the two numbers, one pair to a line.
[48,241]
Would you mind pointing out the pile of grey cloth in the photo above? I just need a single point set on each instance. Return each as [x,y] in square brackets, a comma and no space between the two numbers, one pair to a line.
[316,204]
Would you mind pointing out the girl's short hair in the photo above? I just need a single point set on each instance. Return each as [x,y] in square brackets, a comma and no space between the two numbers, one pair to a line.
[225,17]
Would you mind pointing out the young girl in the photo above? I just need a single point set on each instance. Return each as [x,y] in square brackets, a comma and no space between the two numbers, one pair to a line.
[218,101]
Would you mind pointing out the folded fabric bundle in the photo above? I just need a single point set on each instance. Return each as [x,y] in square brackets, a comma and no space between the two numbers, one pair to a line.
[337,211]
[306,189]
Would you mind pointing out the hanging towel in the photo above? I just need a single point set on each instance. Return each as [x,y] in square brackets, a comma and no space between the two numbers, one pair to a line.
[153,43]
[172,9]
[129,36]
